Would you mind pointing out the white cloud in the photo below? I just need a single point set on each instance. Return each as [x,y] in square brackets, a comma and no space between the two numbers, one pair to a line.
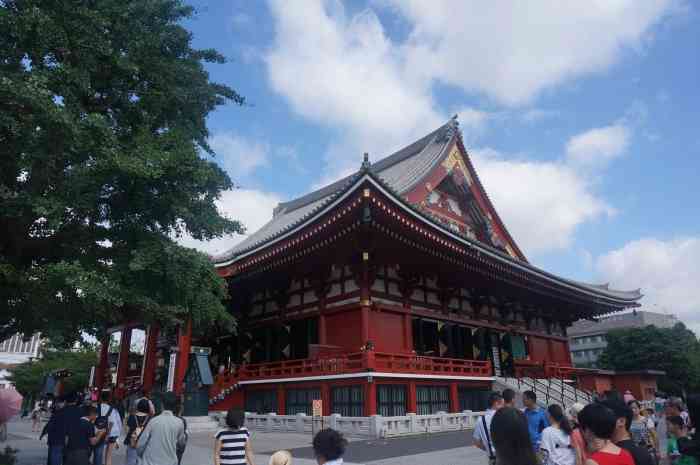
[512,51]
[598,146]
[345,72]
[252,207]
[541,203]
[667,272]
[238,155]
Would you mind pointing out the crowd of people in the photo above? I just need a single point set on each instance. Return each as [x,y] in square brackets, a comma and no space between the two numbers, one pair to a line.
[84,431]
[613,430]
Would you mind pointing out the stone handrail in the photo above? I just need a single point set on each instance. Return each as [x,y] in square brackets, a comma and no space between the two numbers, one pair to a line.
[376,426]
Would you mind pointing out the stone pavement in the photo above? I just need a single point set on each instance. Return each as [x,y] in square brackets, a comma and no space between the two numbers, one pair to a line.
[437,449]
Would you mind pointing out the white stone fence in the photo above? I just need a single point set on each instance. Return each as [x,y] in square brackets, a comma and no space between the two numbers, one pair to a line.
[375,426]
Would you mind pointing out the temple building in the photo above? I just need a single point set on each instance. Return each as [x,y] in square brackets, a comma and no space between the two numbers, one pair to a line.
[397,289]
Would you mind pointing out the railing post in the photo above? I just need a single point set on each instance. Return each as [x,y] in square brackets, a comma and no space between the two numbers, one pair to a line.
[375,426]
[300,422]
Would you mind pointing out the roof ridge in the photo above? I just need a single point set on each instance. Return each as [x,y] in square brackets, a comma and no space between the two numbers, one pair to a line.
[380,165]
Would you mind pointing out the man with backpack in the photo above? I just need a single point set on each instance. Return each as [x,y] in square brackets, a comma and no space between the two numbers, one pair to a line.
[482,431]
[164,434]
[108,419]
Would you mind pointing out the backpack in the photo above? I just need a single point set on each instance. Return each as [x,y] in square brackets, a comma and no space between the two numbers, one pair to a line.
[134,438]
[102,421]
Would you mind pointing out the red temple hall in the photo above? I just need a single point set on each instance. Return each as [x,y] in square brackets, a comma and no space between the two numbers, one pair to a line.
[397,289]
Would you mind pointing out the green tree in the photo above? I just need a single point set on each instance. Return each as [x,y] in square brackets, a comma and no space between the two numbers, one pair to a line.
[673,350]
[29,377]
[103,162]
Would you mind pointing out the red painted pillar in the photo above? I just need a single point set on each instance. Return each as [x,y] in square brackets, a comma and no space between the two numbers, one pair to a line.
[149,368]
[370,398]
[454,397]
[123,363]
[365,323]
[102,363]
[408,332]
[326,399]
[281,400]
[550,351]
[183,355]
[322,329]
[412,401]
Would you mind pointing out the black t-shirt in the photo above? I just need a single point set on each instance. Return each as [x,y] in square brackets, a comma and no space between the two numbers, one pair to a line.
[640,454]
[79,434]
[56,427]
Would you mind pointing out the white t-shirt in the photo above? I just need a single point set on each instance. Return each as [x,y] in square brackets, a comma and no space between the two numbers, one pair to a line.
[556,446]
[114,418]
[480,434]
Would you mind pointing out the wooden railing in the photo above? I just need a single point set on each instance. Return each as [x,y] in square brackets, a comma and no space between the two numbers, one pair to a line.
[350,363]
[417,364]
[353,363]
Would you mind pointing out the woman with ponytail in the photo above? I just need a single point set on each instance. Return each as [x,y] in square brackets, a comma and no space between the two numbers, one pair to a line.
[556,445]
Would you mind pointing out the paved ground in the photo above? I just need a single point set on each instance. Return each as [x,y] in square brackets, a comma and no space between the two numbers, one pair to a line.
[437,449]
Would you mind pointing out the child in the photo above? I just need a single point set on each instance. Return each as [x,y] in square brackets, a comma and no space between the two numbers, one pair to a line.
[677,429]
[281,457]
[232,445]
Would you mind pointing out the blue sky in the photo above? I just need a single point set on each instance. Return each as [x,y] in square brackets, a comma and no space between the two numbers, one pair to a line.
[581,118]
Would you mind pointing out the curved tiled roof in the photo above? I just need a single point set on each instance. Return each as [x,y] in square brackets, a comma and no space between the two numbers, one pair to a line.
[400,171]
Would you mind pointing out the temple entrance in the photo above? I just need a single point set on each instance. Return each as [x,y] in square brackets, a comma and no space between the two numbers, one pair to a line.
[198,378]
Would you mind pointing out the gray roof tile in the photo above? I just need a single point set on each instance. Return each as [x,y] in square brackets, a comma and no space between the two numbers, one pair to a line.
[401,171]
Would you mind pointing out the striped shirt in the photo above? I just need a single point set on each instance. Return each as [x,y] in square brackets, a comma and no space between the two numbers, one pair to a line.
[233,446]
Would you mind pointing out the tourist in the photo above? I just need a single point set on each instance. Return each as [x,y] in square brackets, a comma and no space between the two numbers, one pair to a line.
[508,398]
[628,397]
[482,431]
[598,423]
[622,436]
[329,446]
[659,404]
[143,395]
[676,430]
[181,447]
[82,437]
[135,424]
[158,442]
[674,408]
[108,419]
[55,429]
[232,445]
[36,419]
[511,439]
[536,418]
[556,445]
[650,413]
[642,428]
[281,457]
[576,436]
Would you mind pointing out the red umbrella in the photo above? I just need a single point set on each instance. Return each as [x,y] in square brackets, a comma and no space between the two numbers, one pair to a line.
[10,404]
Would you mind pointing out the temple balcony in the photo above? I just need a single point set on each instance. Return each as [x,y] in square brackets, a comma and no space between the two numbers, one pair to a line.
[358,362]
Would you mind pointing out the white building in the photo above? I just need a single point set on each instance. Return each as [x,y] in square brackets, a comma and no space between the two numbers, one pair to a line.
[14,351]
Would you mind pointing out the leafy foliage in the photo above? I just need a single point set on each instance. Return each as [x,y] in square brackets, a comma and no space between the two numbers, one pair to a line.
[103,161]
[673,350]
[29,377]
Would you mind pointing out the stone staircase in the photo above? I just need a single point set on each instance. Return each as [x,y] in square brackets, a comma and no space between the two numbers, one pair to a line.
[549,390]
